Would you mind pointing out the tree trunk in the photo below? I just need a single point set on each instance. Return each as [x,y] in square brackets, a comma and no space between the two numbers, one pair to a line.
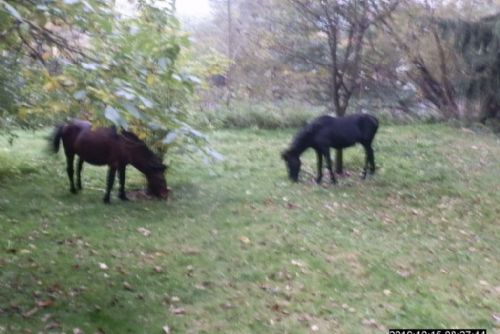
[339,163]
[229,53]
[339,157]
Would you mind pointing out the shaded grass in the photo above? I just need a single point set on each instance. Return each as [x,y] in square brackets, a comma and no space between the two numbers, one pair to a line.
[239,249]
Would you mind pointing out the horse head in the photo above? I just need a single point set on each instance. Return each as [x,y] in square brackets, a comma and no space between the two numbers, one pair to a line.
[148,163]
[157,185]
[292,164]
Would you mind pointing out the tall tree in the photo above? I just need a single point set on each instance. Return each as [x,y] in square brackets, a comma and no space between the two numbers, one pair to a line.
[105,67]
[334,36]
[450,53]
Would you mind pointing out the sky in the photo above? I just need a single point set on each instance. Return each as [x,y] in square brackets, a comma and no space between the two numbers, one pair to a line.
[195,9]
[188,9]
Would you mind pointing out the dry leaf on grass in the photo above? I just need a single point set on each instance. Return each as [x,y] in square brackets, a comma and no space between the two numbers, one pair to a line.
[144,231]
[245,240]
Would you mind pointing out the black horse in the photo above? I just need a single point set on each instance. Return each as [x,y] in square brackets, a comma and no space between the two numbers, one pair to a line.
[325,132]
[105,146]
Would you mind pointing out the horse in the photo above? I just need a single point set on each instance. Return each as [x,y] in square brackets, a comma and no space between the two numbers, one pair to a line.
[325,132]
[105,146]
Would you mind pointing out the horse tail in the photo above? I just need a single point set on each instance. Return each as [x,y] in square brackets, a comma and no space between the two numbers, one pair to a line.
[56,138]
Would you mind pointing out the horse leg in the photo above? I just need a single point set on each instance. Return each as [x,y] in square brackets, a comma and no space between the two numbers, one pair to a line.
[328,158]
[121,176]
[369,161]
[365,168]
[79,167]
[70,170]
[371,158]
[109,185]
[319,158]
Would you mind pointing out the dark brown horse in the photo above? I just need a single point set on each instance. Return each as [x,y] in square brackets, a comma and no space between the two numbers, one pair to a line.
[105,146]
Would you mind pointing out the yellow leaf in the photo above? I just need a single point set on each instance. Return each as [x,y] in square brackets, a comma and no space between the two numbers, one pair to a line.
[45,55]
[245,240]
[23,113]
[49,86]
[151,79]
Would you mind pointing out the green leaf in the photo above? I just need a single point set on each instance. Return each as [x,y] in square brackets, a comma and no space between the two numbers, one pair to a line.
[126,94]
[114,116]
[148,103]
[80,95]
[169,138]
[132,110]
[12,11]
[214,154]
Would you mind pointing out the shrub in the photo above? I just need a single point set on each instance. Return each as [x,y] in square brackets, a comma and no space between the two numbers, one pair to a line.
[264,115]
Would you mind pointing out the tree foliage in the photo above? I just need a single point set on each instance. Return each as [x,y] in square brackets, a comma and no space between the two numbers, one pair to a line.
[83,58]
[449,54]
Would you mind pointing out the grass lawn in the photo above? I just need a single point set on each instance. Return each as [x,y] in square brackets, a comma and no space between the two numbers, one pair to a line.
[240,249]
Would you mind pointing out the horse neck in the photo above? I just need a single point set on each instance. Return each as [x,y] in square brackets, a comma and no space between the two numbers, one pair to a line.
[134,156]
[297,148]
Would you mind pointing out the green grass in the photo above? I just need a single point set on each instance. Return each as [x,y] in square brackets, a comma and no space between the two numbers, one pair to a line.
[240,249]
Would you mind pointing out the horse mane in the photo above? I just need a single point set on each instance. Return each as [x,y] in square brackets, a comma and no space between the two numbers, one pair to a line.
[155,162]
[132,136]
[302,139]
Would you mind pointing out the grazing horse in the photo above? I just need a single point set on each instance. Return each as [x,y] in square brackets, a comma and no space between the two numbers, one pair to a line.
[105,146]
[325,132]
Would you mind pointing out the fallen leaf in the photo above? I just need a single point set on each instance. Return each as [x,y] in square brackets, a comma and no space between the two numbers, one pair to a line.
[158,269]
[144,231]
[103,266]
[77,331]
[188,250]
[315,328]
[44,303]
[46,317]
[387,292]
[179,311]
[404,273]
[31,312]
[127,286]
[53,325]
[369,322]
[298,263]
[245,240]
[166,329]
[227,306]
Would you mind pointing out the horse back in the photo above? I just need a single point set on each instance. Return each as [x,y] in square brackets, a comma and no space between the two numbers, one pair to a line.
[342,132]
[101,146]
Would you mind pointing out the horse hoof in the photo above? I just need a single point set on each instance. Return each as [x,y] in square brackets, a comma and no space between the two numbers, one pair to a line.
[124,198]
[73,191]
[106,201]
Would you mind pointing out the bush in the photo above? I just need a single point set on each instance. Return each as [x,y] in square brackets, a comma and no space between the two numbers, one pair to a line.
[265,115]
